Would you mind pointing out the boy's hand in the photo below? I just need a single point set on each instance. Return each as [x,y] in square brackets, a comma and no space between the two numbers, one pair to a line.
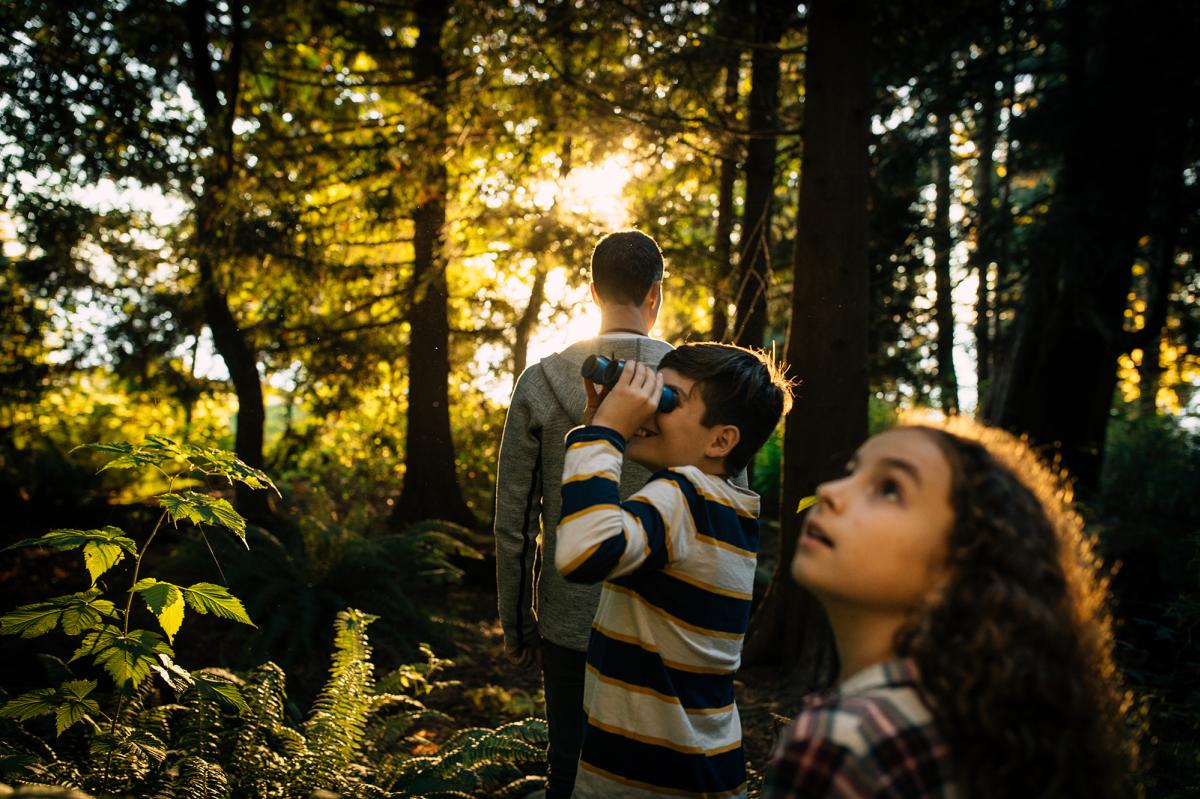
[632,401]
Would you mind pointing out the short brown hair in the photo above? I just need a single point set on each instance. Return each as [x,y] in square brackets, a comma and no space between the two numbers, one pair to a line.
[739,386]
[625,265]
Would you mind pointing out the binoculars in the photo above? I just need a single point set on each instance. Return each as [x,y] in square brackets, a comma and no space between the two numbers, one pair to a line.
[607,371]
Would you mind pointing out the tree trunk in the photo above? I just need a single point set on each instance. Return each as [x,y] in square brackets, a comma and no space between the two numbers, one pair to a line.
[1070,323]
[234,348]
[947,378]
[1169,213]
[431,489]
[525,325]
[985,251]
[754,250]
[726,214]
[827,337]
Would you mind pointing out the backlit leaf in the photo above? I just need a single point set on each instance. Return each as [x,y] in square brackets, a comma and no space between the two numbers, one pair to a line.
[127,657]
[202,509]
[165,601]
[128,456]
[100,557]
[73,539]
[216,599]
[223,689]
[75,704]
[77,613]
[41,702]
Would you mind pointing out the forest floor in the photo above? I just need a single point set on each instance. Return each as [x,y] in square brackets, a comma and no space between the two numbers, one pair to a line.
[492,691]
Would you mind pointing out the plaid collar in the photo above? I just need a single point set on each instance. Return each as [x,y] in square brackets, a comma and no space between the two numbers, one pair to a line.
[890,673]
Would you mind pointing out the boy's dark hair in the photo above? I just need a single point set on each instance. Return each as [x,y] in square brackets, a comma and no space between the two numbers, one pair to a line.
[625,265]
[739,386]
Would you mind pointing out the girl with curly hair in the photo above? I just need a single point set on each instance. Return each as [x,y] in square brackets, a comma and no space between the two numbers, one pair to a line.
[971,625]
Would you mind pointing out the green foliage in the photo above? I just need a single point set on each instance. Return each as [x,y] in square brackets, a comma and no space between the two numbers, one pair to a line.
[102,549]
[1151,470]
[130,656]
[353,740]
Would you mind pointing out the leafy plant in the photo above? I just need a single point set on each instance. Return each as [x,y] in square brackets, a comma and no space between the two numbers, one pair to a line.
[130,655]
[163,731]
[361,738]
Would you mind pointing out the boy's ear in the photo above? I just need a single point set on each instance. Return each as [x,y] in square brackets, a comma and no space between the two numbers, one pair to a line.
[723,439]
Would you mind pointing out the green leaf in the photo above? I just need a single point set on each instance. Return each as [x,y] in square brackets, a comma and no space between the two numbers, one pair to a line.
[127,657]
[203,509]
[41,702]
[216,599]
[87,613]
[73,539]
[222,689]
[215,462]
[128,456]
[165,602]
[75,705]
[77,613]
[99,558]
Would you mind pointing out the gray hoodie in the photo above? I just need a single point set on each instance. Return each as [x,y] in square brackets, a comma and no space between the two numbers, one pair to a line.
[547,401]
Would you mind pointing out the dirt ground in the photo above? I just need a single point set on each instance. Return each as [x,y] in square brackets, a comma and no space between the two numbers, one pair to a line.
[493,692]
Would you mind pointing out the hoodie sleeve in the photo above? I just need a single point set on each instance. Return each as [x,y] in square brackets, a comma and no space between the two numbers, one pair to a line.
[518,515]
[600,537]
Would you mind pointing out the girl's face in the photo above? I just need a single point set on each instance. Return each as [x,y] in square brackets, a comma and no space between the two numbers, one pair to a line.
[877,538]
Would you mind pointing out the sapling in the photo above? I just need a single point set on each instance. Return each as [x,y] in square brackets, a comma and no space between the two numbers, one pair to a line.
[131,655]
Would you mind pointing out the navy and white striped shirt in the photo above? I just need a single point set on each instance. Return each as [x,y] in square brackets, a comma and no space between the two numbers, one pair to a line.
[677,561]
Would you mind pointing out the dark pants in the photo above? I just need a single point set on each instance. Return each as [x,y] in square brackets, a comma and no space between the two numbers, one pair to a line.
[562,673]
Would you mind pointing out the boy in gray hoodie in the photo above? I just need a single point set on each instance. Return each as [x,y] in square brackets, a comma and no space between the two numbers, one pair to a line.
[546,619]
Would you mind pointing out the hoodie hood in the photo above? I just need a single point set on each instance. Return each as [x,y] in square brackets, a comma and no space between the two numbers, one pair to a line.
[562,368]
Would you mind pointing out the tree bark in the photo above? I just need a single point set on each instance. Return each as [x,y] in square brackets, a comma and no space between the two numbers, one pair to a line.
[985,251]
[235,349]
[947,378]
[431,489]
[827,337]
[754,249]
[1160,279]
[528,320]
[726,214]
[1070,323]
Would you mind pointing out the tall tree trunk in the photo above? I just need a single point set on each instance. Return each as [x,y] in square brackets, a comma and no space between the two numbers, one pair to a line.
[947,378]
[726,213]
[431,487]
[985,251]
[235,349]
[528,320]
[1070,324]
[827,337]
[1169,214]
[754,251]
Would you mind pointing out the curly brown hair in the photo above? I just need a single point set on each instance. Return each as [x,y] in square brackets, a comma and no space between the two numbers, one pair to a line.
[1015,651]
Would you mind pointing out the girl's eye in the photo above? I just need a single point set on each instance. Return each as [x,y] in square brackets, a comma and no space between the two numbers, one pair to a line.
[890,489]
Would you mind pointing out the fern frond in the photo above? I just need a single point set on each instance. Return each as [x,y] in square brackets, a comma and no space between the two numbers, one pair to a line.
[199,779]
[126,755]
[337,724]
[517,789]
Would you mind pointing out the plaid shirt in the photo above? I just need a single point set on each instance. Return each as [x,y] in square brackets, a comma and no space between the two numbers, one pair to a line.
[874,738]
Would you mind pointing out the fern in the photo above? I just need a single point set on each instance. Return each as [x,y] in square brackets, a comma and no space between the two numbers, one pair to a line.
[477,762]
[337,724]
[197,779]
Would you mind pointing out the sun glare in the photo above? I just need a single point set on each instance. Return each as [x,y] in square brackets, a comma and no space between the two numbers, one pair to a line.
[595,192]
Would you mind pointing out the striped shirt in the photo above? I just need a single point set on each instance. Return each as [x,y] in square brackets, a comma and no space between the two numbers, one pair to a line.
[874,738]
[677,562]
